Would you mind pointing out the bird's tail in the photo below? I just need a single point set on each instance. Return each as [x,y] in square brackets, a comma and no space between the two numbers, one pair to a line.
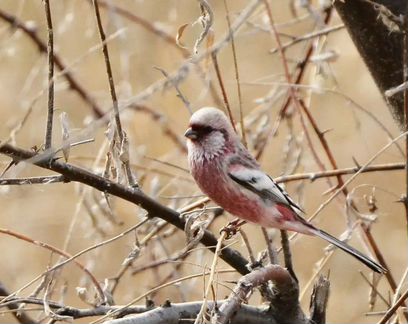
[350,250]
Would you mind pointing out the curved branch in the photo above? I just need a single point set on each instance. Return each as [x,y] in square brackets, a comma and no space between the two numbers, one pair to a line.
[284,307]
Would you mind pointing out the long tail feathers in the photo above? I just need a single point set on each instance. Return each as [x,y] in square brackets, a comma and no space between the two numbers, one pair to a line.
[350,250]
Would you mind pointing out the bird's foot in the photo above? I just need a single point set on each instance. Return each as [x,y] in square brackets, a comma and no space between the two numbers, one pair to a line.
[232,228]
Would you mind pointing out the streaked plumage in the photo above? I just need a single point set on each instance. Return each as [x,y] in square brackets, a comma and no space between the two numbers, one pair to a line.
[225,171]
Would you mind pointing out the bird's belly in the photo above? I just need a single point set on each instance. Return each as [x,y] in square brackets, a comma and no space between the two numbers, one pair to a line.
[238,202]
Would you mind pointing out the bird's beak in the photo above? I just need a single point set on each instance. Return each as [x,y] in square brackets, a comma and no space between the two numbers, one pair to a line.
[191,134]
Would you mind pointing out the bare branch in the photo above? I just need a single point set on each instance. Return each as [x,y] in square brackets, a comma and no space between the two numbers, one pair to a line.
[50,57]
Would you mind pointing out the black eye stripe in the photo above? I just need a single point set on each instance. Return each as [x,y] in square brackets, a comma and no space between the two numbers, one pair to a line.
[202,130]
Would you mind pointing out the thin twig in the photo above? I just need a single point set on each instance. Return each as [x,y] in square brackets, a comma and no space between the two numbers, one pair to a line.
[222,87]
[394,308]
[311,35]
[323,141]
[32,180]
[53,249]
[374,288]
[302,70]
[50,58]
[312,176]
[179,93]
[237,79]
[248,246]
[272,253]
[201,315]
[339,190]
[120,132]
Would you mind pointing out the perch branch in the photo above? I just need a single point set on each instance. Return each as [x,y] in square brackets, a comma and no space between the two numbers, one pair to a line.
[285,293]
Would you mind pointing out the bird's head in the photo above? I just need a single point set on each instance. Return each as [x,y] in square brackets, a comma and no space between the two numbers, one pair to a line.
[210,133]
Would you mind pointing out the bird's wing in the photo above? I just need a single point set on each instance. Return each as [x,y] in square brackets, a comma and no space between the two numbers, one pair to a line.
[261,184]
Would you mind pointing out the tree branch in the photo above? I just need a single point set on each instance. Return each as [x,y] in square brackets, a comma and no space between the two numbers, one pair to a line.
[136,196]
[284,305]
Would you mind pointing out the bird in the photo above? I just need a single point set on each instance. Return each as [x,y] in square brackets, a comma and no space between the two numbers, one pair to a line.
[230,176]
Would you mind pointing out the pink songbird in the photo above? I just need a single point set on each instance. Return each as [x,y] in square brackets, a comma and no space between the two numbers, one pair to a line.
[225,171]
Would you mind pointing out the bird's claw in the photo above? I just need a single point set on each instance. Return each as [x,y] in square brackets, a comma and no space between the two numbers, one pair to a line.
[232,228]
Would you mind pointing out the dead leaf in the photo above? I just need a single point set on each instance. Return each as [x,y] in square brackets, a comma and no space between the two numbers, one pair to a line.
[180,33]
[65,135]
